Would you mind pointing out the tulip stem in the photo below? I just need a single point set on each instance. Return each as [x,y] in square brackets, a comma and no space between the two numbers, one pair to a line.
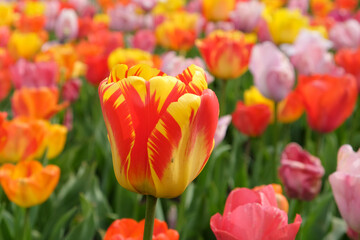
[26,223]
[276,130]
[149,217]
[223,97]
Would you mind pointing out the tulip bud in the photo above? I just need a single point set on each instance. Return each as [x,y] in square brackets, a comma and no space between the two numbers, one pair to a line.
[300,173]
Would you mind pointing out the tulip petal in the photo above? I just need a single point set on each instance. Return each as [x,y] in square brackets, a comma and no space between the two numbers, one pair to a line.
[195,79]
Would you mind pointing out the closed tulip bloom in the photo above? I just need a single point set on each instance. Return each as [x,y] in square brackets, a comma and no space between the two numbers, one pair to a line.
[273,73]
[345,184]
[217,10]
[54,141]
[66,27]
[253,215]
[246,15]
[29,183]
[300,173]
[161,128]
[328,100]
[41,103]
[221,129]
[251,120]
[130,229]
[226,54]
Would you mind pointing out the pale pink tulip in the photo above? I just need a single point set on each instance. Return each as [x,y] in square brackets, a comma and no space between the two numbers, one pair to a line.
[300,173]
[345,184]
[345,34]
[309,54]
[301,5]
[246,15]
[273,73]
[221,129]
[66,27]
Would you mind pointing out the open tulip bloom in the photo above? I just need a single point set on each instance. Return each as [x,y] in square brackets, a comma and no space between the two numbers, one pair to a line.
[161,128]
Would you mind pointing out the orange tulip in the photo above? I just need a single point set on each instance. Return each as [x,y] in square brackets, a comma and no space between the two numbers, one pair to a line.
[130,229]
[217,10]
[226,53]
[328,100]
[281,200]
[5,79]
[161,128]
[346,4]
[29,183]
[251,120]
[291,108]
[38,103]
[22,139]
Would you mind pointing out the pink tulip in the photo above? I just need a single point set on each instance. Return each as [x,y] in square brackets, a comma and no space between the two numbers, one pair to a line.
[28,74]
[246,15]
[125,18]
[174,65]
[273,73]
[253,215]
[309,54]
[51,12]
[66,27]
[345,184]
[71,90]
[345,34]
[300,173]
[147,5]
[144,39]
[4,36]
[301,5]
[221,129]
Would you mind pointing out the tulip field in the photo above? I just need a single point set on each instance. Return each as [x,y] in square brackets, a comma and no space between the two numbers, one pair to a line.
[179,119]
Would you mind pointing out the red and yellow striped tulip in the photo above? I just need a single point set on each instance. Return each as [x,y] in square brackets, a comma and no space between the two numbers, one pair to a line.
[29,183]
[161,128]
[40,103]
[226,54]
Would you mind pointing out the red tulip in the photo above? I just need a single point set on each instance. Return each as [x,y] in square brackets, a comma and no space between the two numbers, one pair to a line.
[349,59]
[251,120]
[328,100]
[253,215]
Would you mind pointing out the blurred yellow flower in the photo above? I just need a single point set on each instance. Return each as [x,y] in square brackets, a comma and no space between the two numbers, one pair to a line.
[130,57]
[34,8]
[7,14]
[273,4]
[253,96]
[217,10]
[102,18]
[24,45]
[168,6]
[54,141]
[284,24]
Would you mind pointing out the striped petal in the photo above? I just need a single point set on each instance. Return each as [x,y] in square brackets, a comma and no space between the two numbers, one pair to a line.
[182,141]
[121,71]
[194,78]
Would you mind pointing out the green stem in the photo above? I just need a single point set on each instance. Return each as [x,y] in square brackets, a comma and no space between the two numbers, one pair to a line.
[26,223]
[149,217]
[276,132]
[223,97]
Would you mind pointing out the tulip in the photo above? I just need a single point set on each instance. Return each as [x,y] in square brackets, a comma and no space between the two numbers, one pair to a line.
[145,40]
[223,26]
[21,139]
[345,34]
[125,18]
[254,215]
[71,90]
[251,120]
[7,14]
[346,4]
[39,74]
[321,8]
[5,80]
[217,10]
[284,25]
[132,230]
[66,27]
[54,141]
[273,73]
[226,54]
[328,100]
[24,45]
[38,103]
[301,5]
[246,15]
[178,31]
[131,57]
[29,183]
[161,128]
[300,173]
[221,129]
[309,54]
[349,59]
[4,36]
[345,184]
